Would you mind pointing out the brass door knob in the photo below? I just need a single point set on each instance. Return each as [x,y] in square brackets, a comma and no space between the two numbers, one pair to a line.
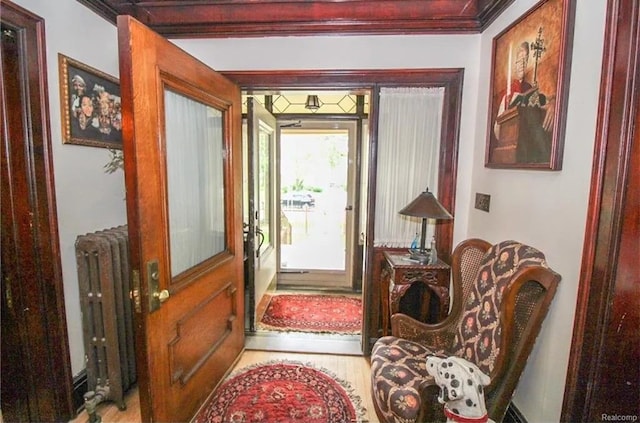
[162,296]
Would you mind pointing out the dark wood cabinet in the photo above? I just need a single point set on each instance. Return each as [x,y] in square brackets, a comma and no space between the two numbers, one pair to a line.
[418,290]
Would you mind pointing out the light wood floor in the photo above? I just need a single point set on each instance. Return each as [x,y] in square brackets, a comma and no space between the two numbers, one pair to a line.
[351,368]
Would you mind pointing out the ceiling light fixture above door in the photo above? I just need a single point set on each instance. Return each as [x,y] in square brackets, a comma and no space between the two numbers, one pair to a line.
[312,103]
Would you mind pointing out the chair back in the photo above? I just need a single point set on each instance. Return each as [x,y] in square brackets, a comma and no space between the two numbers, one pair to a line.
[465,263]
[481,328]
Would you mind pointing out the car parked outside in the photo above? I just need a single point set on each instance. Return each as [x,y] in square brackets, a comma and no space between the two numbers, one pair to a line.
[297,200]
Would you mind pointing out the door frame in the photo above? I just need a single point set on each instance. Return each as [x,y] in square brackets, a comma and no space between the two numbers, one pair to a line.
[48,373]
[613,155]
[450,79]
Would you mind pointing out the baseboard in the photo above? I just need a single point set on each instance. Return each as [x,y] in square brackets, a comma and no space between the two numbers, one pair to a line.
[314,289]
[304,343]
[80,387]
[513,415]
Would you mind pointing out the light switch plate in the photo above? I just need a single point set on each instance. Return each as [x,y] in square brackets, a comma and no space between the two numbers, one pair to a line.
[483,201]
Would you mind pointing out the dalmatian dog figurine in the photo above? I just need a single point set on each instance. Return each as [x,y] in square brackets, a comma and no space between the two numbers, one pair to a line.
[461,389]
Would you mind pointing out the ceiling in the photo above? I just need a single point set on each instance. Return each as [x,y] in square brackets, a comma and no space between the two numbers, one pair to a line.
[261,18]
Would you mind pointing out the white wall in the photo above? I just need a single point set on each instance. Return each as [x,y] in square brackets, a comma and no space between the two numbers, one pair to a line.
[544,209]
[88,199]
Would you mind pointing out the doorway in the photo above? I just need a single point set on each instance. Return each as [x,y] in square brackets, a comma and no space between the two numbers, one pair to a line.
[309,165]
[316,173]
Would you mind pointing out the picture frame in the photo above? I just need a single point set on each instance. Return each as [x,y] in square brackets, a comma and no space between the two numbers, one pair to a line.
[90,105]
[529,89]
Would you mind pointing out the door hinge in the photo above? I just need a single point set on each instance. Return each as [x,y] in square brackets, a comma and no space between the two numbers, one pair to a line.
[7,292]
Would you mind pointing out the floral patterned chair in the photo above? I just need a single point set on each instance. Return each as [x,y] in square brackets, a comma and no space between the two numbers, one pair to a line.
[501,295]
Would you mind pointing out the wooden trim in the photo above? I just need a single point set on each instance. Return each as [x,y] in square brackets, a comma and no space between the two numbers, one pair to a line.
[613,153]
[248,18]
[342,78]
[372,302]
[46,339]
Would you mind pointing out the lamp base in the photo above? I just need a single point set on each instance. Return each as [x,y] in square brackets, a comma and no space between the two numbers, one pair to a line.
[421,256]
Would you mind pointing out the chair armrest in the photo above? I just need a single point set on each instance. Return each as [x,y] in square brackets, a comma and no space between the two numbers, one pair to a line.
[437,336]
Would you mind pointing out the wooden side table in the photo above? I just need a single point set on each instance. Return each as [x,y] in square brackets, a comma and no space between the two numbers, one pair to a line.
[399,274]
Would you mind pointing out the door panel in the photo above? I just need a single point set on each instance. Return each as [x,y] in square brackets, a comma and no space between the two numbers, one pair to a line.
[262,236]
[200,332]
[181,131]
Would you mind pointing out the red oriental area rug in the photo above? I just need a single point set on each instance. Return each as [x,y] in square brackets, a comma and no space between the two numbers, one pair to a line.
[313,313]
[282,392]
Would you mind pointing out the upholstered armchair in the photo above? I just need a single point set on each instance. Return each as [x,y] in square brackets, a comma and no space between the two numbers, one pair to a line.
[501,295]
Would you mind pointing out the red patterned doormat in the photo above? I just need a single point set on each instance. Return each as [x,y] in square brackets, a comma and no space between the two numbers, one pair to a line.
[282,392]
[313,313]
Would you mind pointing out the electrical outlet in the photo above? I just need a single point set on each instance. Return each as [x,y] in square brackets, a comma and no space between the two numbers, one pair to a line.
[483,201]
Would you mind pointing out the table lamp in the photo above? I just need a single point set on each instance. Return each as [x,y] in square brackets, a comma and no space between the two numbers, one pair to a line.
[425,206]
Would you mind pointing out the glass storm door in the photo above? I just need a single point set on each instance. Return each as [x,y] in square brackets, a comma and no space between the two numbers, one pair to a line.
[316,200]
[261,221]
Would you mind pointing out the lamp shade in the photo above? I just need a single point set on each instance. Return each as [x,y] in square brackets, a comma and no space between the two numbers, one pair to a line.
[426,205]
[312,103]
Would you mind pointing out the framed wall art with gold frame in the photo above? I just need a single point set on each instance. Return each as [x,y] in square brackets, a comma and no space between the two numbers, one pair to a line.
[529,87]
[90,105]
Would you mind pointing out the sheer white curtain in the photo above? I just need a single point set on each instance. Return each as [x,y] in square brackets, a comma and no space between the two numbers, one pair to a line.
[195,179]
[408,158]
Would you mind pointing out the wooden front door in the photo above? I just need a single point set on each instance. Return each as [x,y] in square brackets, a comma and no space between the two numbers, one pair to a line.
[182,142]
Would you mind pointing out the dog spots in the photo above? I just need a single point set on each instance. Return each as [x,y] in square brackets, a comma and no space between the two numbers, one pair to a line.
[457,381]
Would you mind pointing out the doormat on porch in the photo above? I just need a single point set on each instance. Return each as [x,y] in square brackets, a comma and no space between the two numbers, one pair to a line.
[313,313]
[282,392]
